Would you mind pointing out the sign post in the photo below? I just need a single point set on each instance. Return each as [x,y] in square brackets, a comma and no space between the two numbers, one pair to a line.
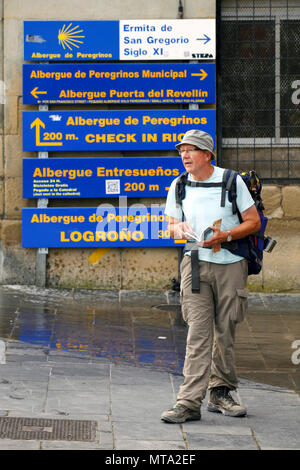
[60,178]
[112,130]
[135,83]
[119,40]
[102,226]
[95,62]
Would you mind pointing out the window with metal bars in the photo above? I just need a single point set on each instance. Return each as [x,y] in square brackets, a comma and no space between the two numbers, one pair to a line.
[259,48]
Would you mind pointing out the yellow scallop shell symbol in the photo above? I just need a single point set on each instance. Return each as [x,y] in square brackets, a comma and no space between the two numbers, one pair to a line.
[70,37]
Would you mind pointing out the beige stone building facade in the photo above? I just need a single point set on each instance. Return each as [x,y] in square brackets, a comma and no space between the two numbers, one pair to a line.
[110,268]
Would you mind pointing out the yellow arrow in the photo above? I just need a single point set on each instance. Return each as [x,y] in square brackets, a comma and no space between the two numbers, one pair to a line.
[203,74]
[37,123]
[98,254]
[35,92]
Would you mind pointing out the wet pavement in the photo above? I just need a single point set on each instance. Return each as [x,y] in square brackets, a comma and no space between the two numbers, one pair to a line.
[116,358]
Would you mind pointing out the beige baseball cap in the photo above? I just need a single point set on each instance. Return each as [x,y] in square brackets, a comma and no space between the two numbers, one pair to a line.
[200,139]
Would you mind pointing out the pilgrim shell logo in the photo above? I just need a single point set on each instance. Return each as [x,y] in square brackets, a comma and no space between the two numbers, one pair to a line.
[70,37]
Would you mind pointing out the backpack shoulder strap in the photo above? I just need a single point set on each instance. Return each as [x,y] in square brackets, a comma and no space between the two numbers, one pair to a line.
[224,182]
[229,184]
[180,187]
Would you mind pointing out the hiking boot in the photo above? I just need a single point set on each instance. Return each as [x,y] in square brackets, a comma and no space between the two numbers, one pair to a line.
[221,401]
[180,414]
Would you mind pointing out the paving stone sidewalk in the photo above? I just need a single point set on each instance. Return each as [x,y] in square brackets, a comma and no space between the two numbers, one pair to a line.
[124,400]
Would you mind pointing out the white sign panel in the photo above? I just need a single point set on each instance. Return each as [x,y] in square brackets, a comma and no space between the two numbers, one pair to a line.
[168,39]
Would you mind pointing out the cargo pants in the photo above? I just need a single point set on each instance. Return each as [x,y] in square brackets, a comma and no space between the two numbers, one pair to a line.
[212,316]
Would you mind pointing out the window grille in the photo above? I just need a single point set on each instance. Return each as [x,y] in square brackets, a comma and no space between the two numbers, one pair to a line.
[259,87]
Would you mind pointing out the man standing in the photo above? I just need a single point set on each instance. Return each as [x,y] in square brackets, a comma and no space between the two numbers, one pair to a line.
[213,312]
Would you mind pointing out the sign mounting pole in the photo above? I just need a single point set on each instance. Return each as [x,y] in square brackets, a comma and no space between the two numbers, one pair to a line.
[41,255]
[180,250]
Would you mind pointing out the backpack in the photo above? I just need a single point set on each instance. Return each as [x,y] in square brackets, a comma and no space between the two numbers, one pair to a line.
[257,242]
[250,247]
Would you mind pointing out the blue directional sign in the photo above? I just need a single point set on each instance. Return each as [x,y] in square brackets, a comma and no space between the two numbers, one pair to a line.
[119,40]
[96,227]
[112,130]
[99,177]
[71,40]
[118,84]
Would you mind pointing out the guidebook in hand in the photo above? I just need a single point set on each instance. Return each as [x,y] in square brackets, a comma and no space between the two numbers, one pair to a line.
[205,235]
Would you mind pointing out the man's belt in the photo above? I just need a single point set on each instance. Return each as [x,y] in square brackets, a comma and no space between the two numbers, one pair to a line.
[193,248]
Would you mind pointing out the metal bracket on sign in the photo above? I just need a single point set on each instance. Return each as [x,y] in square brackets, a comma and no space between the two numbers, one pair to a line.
[43,251]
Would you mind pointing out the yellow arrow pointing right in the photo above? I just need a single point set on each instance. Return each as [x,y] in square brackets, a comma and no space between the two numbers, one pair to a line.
[203,74]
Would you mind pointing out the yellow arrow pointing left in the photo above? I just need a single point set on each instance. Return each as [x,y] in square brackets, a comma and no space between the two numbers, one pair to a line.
[35,92]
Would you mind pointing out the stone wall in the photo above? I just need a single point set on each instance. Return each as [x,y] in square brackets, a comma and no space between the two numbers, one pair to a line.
[281,271]
[92,268]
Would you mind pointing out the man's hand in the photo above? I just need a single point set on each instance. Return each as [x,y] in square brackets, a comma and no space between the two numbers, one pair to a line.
[178,229]
[219,236]
[183,231]
[250,224]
